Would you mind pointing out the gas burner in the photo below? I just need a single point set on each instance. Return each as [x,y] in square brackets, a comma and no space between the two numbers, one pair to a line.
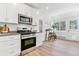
[23,32]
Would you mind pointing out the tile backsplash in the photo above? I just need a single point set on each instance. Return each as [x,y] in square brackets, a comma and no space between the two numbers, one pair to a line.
[14,27]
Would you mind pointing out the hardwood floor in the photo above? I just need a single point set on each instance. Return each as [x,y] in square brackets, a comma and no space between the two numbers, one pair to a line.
[56,48]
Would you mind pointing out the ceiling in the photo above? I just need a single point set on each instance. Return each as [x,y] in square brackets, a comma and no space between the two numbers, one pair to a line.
[54,8]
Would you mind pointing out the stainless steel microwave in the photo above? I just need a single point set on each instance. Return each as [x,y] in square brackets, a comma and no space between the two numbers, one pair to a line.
[24,20]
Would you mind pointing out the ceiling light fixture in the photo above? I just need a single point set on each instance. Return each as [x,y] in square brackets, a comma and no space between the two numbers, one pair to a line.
[14,3]
[47,8]
[37,12]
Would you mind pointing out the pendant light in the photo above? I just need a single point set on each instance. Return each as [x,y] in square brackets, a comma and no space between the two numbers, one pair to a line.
[5,12]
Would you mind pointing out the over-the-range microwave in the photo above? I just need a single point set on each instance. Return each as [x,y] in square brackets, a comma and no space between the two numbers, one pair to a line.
[22,19]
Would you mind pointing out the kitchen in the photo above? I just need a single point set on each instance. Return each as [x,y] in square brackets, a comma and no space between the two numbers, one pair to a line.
[39,29]
[19,24]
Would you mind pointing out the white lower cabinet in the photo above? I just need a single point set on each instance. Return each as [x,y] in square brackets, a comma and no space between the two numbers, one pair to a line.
[39,39]
[10,45]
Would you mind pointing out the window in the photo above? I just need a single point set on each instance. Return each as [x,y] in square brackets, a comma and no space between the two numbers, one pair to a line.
[56,26]
[73,24]
[62,25]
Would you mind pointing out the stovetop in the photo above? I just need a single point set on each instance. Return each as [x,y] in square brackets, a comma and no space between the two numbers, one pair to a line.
[23,32]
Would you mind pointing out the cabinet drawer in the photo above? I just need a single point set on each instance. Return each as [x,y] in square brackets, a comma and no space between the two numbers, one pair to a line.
[10,40]
[9,43]
[14,50]
[12,37]
[15,37]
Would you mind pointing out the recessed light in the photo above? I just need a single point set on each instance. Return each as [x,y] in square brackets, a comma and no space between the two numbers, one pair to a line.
[15,3]
[47,8]
[37,12]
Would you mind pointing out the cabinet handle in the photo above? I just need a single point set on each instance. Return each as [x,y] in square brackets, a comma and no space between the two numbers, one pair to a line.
[12,44]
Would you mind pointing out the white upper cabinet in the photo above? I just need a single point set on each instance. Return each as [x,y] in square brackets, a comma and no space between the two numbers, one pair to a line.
[9,12]
[2,12]
[12,13]
[24,9]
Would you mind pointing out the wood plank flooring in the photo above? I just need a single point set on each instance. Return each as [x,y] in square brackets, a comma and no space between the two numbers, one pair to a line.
[56,48]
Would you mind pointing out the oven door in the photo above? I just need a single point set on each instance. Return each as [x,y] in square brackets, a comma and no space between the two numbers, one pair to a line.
[28,43]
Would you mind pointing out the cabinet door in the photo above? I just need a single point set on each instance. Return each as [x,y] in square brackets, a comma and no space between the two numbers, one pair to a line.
[14,45]
[10,45]
[21,9]
[24,9]
[38,40]
[12,13]
[3,46]
[3,51]
[2,12]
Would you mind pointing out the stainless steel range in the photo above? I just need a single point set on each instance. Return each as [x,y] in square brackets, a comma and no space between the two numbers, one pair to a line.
[28,39]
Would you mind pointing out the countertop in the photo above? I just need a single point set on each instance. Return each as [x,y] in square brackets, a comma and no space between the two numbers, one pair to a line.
[10,33]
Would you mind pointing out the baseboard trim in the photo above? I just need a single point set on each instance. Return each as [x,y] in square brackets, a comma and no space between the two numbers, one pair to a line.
[70,40]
